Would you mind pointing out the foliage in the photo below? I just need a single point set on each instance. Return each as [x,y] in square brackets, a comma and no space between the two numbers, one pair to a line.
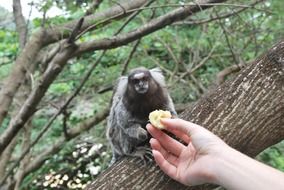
[274,156]
[176,49]
[80,161]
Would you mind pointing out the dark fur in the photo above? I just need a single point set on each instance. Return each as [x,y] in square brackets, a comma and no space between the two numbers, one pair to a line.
[130,110]
[140,105]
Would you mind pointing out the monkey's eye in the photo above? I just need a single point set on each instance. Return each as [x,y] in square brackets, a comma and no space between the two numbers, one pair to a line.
[144,79]
[135,81]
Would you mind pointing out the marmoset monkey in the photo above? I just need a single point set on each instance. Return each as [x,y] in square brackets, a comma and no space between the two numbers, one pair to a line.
[135,96]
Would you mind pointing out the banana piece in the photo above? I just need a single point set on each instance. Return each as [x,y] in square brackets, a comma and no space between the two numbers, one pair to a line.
[156,116]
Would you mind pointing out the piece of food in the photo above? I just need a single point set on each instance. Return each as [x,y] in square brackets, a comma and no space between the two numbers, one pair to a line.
[156,116]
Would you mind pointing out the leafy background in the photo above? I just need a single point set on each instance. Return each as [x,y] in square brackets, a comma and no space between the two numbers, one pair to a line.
[175,49]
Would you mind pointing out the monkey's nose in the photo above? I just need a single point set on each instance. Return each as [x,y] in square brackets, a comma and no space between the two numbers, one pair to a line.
[141,83]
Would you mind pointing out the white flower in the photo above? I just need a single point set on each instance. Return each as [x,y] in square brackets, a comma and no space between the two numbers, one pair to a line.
[94,170]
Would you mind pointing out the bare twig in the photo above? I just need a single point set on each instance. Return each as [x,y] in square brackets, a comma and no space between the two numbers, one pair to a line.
[190,71]
[94,5]
[127,61]
[20,22]
[177,62]
[232,13]
[228,41]
[76,30]
[66,116]
[227,71]
[148,28]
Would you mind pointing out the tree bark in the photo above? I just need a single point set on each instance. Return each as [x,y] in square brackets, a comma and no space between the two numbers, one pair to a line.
[246,112]
[20,23]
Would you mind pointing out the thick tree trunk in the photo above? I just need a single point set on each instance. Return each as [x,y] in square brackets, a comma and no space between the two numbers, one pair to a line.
[247,112]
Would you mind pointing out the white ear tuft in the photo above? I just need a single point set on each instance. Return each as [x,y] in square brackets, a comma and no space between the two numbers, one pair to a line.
[158,76]
[121,85]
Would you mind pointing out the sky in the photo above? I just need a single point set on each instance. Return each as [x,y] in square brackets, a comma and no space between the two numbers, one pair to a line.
[7,4]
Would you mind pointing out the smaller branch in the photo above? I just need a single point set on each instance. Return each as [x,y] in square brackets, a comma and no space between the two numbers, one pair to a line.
[121,6]
[177,62]
[157,63]
[29,17]
[232,13]
[200,6]
[133,16]
[75,31]
[44,19]
[20,23]
[199,84]
[95,5]
[150,27]
[227,71]
[5,159]
[190,71]
[101,23]
[18,177]
[45,57]
[105,88]
[6,63]
[107,20]
[127,61]
[66,116]
[228,40]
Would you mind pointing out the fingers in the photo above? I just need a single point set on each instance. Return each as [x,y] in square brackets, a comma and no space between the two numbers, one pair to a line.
[170,144]
[181,135]
[165,166]
[179,125]
[167,155]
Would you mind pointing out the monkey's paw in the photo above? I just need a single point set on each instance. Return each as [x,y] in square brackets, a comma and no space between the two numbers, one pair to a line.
[142,134]
[144,153]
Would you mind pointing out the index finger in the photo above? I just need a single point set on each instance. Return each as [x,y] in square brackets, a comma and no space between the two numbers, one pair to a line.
[180,125]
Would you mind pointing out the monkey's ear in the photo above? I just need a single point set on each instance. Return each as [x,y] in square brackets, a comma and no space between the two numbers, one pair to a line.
[158,76]
[121,85]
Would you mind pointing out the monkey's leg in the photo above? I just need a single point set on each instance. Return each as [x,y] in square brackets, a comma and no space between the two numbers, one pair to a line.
[142,152]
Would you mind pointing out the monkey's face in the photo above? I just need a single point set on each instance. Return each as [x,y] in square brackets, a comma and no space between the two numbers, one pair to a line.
[140,81]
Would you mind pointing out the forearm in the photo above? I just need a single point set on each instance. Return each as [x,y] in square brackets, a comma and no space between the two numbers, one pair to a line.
[238,171]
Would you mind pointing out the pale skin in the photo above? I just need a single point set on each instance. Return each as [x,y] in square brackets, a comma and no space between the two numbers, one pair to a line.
[207,159]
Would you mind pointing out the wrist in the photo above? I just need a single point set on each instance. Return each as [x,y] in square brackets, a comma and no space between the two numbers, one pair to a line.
[223,164]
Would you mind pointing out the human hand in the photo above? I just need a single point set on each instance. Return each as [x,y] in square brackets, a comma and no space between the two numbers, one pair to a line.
[190,164]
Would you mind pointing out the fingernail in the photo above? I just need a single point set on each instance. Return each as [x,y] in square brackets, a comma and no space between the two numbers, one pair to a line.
[148,125]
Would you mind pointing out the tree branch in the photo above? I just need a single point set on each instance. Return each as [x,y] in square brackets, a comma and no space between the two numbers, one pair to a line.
[227,71]
[148,28]
[47,36]
[94,5]
[247,113]
[232,13]
[52,34]
[29,107]
[20,22]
